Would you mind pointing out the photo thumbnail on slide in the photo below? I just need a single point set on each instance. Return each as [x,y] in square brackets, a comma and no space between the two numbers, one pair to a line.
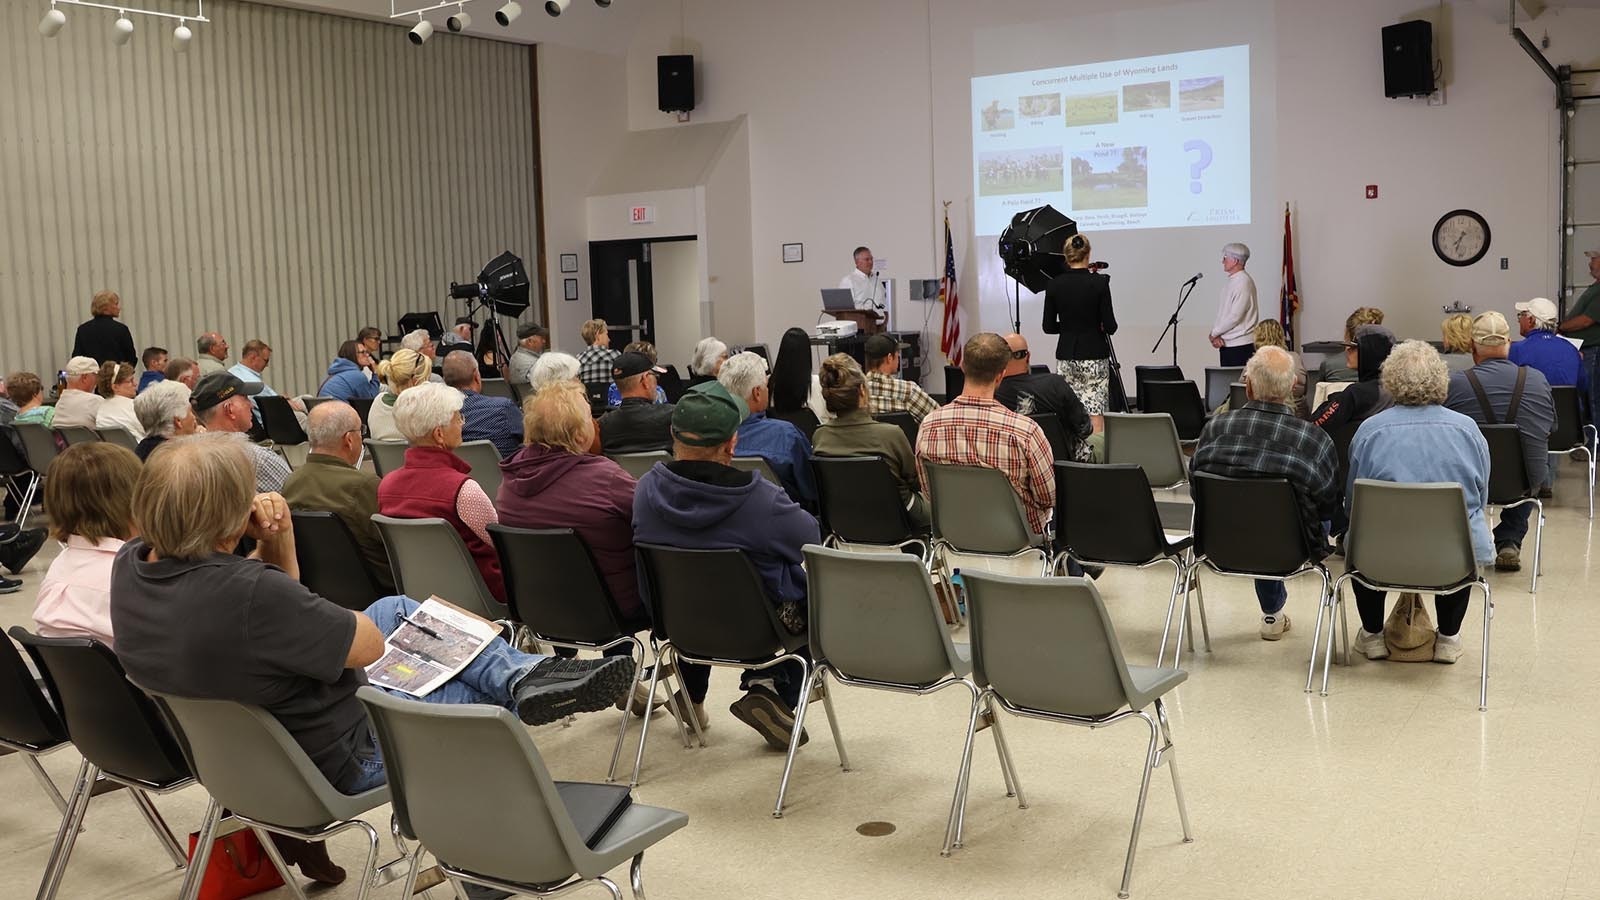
[1146,142]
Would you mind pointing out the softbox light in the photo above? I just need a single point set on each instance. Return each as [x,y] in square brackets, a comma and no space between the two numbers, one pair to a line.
[1032,246]
[503,284]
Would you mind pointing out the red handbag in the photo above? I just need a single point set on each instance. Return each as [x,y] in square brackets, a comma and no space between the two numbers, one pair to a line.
[238,867]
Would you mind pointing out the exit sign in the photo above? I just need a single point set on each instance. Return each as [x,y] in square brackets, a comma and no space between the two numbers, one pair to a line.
[641,215]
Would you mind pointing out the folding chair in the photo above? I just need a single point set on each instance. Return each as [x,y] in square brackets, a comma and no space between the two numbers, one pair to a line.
[1572,435]
[1510,486]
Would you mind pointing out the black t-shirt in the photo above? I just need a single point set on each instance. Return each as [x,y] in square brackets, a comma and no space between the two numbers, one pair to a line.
[238,629]
[1032,393]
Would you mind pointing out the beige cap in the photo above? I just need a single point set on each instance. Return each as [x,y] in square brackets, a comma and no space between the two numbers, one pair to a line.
[1591,253]
[1490,329]
[1540,308]
[82,365]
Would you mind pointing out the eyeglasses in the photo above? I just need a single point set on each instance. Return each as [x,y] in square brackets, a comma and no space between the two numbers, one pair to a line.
[1019,354]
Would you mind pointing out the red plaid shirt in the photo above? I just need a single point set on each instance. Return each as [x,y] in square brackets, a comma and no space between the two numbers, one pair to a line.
[975,432]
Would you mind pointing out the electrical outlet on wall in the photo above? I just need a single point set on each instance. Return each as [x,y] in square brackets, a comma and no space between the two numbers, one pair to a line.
[1437,97]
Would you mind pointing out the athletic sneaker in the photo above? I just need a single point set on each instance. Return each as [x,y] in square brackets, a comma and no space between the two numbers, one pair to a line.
[762,709]
[9,585]
[557,688]
[1273,626]
[15,553]
[1371,644]
[1508,559]
[1446,648]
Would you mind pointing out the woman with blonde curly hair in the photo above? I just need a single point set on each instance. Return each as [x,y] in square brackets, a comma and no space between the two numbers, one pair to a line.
[405,369]
[1458,342]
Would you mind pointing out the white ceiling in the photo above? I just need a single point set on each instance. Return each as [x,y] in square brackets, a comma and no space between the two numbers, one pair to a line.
[583,25]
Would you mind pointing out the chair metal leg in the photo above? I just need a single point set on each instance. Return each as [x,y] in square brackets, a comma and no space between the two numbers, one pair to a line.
[1327,659]
[1205,628]
[1483,678]
[958,804]
[833,721]
[49,787]
[627,712]
[1138,811]
[409,889]
[152,817]
[1538,544]
[810,681]
[1166,627]
[202,851]
[1008,769]
[664,656]
[1344,627]
[1169,756]
[67,834]
[290,879]
[636,876]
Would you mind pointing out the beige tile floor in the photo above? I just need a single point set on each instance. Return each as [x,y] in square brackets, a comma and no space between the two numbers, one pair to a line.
[1393,786]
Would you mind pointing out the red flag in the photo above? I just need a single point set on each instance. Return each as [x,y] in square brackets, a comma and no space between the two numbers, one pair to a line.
[950,331]
[1289,294]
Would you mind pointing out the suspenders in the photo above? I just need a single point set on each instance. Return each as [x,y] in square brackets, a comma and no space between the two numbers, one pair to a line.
[1483,397]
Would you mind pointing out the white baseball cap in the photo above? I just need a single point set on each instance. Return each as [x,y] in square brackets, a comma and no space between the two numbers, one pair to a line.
[1539,308]
[82,365]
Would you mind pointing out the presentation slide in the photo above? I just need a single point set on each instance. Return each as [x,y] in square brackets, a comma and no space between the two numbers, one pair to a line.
[1146,142]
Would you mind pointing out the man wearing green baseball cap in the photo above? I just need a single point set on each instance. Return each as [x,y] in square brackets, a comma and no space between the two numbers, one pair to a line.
[700,501]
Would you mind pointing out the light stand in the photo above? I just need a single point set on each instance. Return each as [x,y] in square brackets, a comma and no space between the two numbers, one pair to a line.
[1033,250]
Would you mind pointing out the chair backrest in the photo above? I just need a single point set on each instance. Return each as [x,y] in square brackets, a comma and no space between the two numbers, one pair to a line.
[40,444]
[1508,468]
[1149,441]
[363,408]
[78,434]
[553,585]
[859,500]
[873,616]
[26,717]
[757,464]
[250,763]
[976,510]
[711,603]
[1107,514]
[636,464]
[111,722]
[510,826]
[1248,524]
[1237,395]
[1181,400]
[331,562]
[1046,644]
[672,383]
[498,387]
[1144,374]
[1568,431]
[428,558]
[279,419]
[1055,433]
[1414,535]
[955,381]
[905,421]
[12,463]
[758,349]
[119,436]
[1342,436]
[1218,381]
[485,462]
[596,391]
[386,455]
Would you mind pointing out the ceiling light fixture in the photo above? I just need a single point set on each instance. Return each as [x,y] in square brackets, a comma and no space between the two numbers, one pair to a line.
[181,37]
[53,22]
[459,21]
[507,14]
[556,7]
[121,29]
[421,32]
[603,4]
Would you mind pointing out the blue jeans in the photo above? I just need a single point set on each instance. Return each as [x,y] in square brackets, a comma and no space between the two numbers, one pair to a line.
[489,678]
[1513,526]
[1272,595]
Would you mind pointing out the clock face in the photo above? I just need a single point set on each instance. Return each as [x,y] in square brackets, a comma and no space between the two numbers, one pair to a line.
[1461,237]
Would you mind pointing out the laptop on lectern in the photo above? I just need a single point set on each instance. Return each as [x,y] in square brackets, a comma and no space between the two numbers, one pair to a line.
[838,299]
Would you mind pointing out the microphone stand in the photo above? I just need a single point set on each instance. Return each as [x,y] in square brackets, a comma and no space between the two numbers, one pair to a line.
[1172,323]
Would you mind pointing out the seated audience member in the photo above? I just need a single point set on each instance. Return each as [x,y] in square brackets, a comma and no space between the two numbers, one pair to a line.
[80,401]
[27,392]
[889,392]
[459,337]
[435,482]
[8,410]
[253,362]
[780,443]
[212,352]
[1366,398]
[403,370]
[347,375]
[640,424]
[594,363]
[975,430]
[332,480]
[1334,368]
[533,340]
[796,392]
[1498,391]
[706,360]
[1417,441]
[89,494]
[287,650]
[102,338]
[370,338]
[1269,333]
[1457,342]
[163,412]
[1028,393]
[1542,348]
[1265,439]
[853,432]
[155,366]
[552,367]
[698,500]
[184,371]
[222,402]
[488,355]
[117,386]
[419,341]
[493,419]
[648,350]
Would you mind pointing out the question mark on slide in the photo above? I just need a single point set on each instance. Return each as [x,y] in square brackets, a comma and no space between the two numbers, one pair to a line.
[1199,165]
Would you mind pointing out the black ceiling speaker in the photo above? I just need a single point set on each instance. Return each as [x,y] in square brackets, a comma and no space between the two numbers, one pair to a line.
[1408,59]
[1033,246]
[675,83]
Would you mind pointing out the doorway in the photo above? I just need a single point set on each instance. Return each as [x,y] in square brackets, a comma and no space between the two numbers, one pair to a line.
[622,287]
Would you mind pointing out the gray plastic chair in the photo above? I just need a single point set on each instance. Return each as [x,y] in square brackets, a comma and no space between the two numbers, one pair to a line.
[1416,538]
[636,464]
[429,559]
[511,832]
[757,464]
[485,462]
[1238,396]
[122,437]
[977,516]
[1149,441]
[252,767]
[1218,379]
[40,443]
[78,434]
[499,387]
[875,623]
[386,455]
[1044,648]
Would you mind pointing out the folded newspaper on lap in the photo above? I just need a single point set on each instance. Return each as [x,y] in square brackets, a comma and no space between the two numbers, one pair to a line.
[430,647]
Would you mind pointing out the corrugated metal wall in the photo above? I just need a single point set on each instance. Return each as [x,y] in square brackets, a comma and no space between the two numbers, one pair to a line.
[293,177]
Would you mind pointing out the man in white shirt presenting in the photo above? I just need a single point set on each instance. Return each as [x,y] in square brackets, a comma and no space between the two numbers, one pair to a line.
[1233,333]
[863,283]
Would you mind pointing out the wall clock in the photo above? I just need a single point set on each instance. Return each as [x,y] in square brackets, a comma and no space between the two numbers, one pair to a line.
[1461,237]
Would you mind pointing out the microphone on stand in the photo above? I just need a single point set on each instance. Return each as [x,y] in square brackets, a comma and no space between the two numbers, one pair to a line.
[1197,277]
[1097,266]
[875,302]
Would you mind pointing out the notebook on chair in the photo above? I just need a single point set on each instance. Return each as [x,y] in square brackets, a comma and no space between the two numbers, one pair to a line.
[594,808]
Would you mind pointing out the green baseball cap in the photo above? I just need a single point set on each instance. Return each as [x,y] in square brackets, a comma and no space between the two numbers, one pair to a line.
[707,415]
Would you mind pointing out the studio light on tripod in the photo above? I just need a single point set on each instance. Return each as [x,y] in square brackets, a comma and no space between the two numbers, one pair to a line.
[503,285]
[1032,246]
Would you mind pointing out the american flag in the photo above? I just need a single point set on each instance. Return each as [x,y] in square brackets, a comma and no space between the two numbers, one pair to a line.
[950,330]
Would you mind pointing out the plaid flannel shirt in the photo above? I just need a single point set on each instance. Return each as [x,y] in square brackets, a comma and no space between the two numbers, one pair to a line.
[1267,440]
[594,364]
[888,394]
[970,431]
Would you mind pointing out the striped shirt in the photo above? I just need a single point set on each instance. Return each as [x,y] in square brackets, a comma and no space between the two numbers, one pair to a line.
[972,431]
[888,394]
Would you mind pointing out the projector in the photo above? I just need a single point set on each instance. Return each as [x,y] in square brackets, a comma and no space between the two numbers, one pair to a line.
[836,329]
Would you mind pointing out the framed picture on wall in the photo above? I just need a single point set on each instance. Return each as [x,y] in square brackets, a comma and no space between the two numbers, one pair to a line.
[793,253]
[569,262]
[571,288]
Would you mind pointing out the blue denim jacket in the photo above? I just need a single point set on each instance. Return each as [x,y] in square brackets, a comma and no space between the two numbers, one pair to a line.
[1422,444]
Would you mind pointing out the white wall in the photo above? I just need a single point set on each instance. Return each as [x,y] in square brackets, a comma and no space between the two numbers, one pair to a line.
[675,284]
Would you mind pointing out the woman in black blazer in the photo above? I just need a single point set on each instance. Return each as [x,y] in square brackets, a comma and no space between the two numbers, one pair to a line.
[1077,306]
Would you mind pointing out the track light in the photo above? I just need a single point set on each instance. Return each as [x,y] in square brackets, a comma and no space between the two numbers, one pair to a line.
[507,14]
[180,37]
[556,7]
[421,32]
[603,4]
[121,30]
[53,22]
[459,21]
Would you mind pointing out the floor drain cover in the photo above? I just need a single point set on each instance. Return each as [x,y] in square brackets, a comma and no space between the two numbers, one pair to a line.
[875,829]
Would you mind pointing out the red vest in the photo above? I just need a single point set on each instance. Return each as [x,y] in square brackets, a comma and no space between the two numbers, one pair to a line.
[426,487]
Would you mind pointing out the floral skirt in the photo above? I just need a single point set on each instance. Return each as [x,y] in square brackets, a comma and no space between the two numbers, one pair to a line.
[1090,379]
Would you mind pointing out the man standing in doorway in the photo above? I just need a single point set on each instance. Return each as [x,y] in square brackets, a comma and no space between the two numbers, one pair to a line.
[1233,333]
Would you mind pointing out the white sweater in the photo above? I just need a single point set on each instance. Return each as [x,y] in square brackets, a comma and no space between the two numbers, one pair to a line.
[1236,313]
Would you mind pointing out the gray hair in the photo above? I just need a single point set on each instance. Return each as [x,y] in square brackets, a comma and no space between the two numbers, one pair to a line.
[1415,374]
[415,340]
[425,407]
[205,342]
[328,423]
[1271,374]
[1237,251]
[552,367]
[705,356]
[742,373]
[161,406]
[458,369]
